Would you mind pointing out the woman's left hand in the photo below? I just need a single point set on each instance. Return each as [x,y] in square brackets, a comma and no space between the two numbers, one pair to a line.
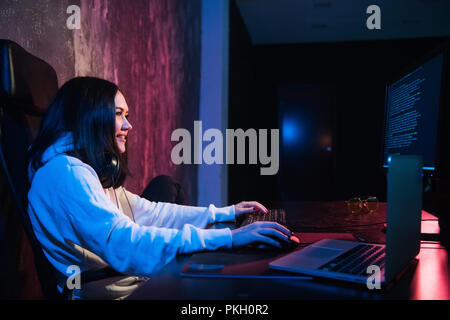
[249,207]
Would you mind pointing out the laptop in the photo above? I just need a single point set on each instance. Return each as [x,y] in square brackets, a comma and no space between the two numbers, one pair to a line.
[356,261]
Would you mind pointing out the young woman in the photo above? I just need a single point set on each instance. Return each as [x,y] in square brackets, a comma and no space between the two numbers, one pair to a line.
[83,216]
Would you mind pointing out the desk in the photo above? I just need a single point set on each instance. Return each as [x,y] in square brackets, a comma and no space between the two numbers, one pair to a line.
[427,278]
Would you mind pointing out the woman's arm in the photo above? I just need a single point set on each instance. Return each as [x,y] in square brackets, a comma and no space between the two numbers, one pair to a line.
[169,215]
[130,248]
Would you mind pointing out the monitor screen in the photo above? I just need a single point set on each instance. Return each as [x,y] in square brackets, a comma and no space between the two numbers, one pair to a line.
[412,113]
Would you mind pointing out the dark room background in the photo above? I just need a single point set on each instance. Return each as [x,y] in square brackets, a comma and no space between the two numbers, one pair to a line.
[342,88]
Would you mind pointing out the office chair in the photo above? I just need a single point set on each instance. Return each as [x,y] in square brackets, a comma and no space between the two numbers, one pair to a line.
[27,86]
[163,188]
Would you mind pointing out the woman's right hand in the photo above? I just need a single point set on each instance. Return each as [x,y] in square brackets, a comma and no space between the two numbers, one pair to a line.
[262,232]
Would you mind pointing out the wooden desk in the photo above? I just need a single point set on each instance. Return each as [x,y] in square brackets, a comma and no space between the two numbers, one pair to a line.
[428,278]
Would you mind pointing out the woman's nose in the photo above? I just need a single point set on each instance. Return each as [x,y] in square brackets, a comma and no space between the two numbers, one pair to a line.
[126,124]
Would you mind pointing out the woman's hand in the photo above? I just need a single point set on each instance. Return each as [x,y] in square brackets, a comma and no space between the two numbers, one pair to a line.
[248,207]
[261,231]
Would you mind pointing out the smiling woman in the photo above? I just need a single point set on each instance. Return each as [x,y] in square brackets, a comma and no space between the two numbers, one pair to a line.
[84,109]
[122,124]
[82,215]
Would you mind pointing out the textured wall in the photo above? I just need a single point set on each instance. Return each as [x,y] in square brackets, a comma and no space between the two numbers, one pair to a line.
[150,48]
[40,28]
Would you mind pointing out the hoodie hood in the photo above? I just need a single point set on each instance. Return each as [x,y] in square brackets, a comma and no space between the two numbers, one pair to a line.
[62,145]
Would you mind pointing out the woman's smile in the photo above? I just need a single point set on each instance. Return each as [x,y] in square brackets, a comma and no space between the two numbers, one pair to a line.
[122,125]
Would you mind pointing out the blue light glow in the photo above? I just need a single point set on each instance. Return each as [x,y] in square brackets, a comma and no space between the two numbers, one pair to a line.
[290,131]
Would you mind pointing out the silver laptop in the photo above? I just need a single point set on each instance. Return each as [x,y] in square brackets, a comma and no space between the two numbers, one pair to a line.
[357,261]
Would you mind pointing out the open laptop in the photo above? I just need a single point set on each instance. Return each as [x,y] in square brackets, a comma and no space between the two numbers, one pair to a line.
[356,261]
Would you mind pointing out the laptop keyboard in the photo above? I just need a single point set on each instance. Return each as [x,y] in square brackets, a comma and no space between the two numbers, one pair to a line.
[276,215]
[356,260]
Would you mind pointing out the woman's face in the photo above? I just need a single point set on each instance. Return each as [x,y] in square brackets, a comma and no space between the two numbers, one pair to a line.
[122,124]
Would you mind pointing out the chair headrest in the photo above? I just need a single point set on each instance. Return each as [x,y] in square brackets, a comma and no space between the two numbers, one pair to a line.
[27,83]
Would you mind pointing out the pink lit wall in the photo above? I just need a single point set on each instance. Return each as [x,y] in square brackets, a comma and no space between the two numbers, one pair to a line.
[150,48]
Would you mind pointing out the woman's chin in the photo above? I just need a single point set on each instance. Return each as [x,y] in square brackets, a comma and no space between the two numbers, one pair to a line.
[121,147]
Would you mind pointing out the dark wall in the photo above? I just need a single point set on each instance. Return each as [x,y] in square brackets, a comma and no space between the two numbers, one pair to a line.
[356,71]
[244,180]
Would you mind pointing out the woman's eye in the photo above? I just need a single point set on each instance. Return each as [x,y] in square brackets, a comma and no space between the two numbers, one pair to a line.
[121,114]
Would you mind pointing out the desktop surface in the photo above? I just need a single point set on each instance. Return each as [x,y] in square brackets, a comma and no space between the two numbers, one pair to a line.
[428,277]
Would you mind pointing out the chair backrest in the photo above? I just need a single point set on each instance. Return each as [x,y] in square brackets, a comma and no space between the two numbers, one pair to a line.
[27,85]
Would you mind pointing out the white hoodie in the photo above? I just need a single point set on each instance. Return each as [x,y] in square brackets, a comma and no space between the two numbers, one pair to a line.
[78,223]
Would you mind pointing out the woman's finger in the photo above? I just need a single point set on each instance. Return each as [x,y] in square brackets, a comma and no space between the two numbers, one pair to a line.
[256,205]
[268,240]
[274,233]
[270,224]
[246,210]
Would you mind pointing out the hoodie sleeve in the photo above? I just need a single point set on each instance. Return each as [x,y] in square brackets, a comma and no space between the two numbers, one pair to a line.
[128,247]
[170,215]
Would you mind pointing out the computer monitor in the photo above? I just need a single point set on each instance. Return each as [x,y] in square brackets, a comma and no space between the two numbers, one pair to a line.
[412,112]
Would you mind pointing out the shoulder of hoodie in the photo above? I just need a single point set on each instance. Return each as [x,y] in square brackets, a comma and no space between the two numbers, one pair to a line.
[62,164]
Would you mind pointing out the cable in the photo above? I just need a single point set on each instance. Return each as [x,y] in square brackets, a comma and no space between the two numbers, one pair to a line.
[129,204]
[117,202]
[115,196]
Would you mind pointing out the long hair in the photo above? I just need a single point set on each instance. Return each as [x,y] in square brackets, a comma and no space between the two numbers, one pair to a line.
[85,107]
